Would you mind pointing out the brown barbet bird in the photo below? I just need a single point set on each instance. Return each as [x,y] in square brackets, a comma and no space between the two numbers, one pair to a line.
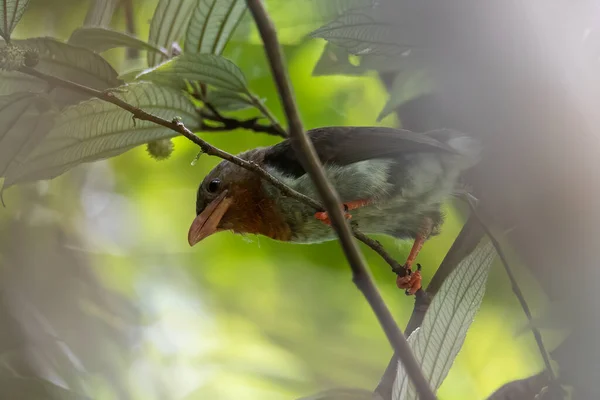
[391,181]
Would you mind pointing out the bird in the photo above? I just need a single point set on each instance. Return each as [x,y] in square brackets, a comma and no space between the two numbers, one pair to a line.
[391,181]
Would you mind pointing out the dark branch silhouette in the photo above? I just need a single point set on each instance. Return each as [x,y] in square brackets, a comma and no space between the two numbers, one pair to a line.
[306,152]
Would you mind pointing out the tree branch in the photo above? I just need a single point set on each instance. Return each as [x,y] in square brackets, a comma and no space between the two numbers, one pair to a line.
[305,150]
[378,248]
[230,124]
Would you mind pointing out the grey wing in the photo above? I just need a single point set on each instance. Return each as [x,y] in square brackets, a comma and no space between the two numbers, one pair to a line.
[343,145]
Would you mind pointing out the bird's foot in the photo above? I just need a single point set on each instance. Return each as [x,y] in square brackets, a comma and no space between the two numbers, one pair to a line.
[323,216]
[410,281]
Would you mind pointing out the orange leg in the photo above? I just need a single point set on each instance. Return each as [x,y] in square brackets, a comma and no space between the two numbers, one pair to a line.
[352,205]
[411,281]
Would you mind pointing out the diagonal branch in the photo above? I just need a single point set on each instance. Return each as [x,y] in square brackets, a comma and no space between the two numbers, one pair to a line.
[306,152]
[230,124]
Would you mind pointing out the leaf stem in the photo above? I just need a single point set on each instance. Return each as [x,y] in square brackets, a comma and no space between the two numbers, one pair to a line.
[265,111]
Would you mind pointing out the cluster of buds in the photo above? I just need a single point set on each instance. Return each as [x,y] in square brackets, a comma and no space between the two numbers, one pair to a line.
[13,57]
[160,149]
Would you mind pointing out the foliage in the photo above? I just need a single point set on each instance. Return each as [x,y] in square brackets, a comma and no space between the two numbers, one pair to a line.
[211,25]
[92,130]
[10,14]
[441,335]
[47,130]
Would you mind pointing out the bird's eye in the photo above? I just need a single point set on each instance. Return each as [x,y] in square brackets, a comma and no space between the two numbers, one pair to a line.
[214,185]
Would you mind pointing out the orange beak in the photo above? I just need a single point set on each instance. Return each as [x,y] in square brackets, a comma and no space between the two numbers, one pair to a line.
[207,222]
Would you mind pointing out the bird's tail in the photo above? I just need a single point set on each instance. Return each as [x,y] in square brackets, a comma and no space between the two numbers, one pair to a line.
[468,147]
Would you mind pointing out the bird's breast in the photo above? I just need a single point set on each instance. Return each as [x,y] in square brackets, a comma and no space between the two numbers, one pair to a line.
[402,192]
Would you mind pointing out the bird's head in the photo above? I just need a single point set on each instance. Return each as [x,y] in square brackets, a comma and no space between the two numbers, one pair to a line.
[232,198]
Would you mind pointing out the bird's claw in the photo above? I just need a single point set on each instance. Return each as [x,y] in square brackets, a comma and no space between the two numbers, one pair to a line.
[324,217]
[411,281]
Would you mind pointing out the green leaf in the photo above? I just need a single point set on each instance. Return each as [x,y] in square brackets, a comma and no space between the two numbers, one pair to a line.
[168,22]
[361,32]
[205,68]
[100,12]
[13,82]
[224,100]
[19,121]
[11,12]
[101,39]
[74,63]
[407,85]
[94,130]
[17,388]
[129,76]
[334,8]
[441,336]
[342,394]
[65,61]
[211,25]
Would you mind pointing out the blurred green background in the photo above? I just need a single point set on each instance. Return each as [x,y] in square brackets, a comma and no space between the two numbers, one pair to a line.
[102,289]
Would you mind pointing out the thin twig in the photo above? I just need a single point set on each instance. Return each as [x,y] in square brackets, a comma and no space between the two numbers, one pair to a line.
[306,151]
[378,248]
[230,124]
[204,146]
[516,289]
[265,111]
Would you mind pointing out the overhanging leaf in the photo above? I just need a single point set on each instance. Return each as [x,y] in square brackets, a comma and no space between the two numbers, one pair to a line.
[100,12]
[101,39]
[168,22]
[361,32]
[211,25]
[11,12]
[65,61]
[95,130]
[342,394]
[19,121]
[205,68]
[13,82]
[74,63]
[441,336]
